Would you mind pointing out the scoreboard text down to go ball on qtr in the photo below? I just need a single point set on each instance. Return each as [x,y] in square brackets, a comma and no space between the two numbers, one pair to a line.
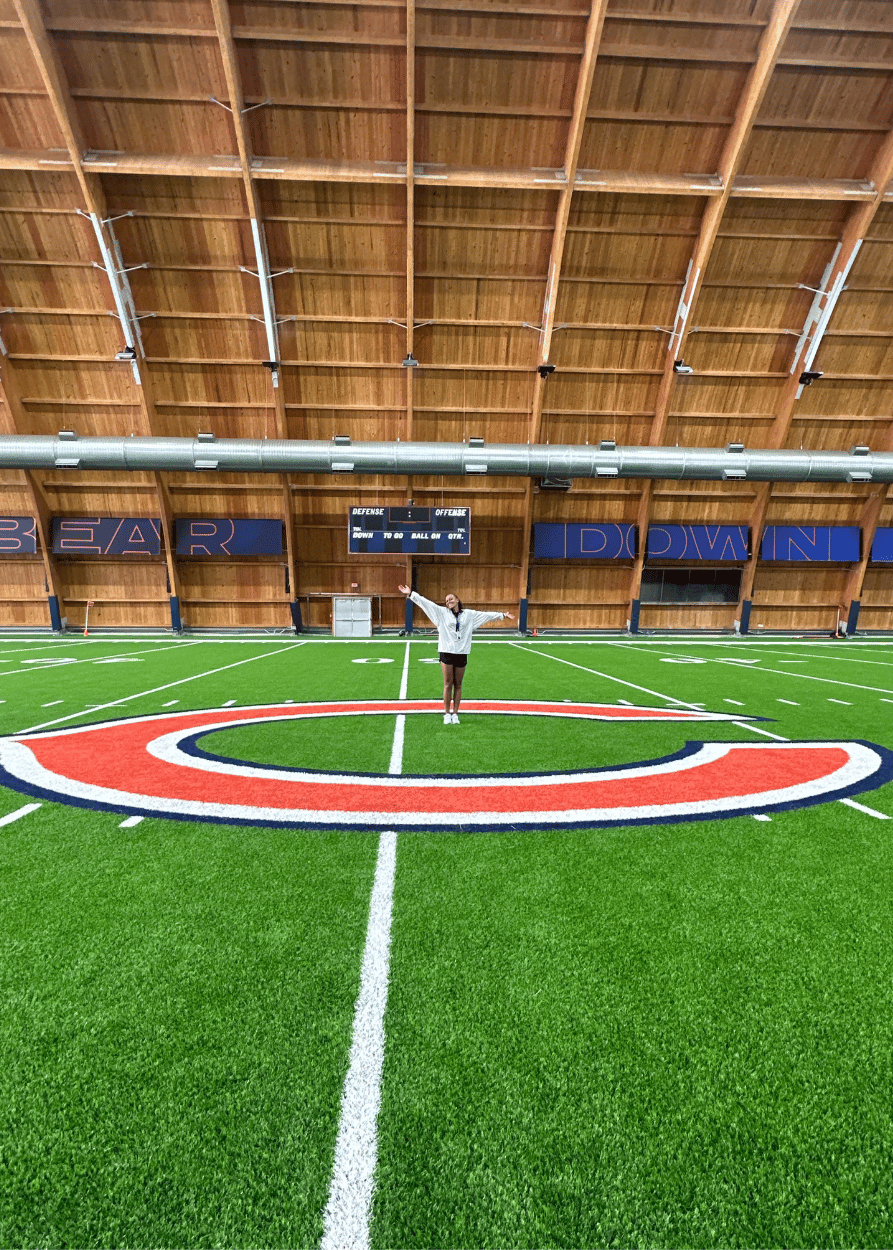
[410,531]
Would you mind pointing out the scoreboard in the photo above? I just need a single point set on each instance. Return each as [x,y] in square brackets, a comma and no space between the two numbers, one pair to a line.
[410,531]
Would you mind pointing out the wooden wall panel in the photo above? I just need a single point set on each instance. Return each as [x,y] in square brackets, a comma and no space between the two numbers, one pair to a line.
[197,291]
[702,503]
[340,294]
[567,617]
[572,428]
[23,594]
[479,299]
[125,594]
[224,494]
[666,147]
[53,286]
[690,618]
[587,502]
[622,303]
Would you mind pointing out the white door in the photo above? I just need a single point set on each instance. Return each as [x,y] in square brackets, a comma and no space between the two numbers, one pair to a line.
[351,616]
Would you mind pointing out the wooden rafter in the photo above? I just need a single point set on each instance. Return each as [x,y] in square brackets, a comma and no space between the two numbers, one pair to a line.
[730,160]
[11,397]
[856,228]
[53,77]
[732,154]
[231,73]
[410,235]
[287,169]
[562,216]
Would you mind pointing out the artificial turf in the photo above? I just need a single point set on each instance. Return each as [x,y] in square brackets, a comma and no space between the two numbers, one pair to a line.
[658,1035]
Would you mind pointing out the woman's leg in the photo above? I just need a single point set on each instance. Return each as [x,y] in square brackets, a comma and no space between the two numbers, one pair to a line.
[448,679]
[458,674]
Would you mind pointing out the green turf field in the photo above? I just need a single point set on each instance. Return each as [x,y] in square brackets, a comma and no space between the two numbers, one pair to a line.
[672,1034]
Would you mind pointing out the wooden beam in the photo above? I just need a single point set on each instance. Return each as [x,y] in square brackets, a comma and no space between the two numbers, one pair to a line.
[868,524]
[582,93]
[410,238]
[53,76]
[732,154]
[773,37]
[11,397]
[832,285]
[287,169]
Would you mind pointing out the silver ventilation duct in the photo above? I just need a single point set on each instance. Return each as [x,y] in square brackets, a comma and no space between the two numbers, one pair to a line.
[236,455]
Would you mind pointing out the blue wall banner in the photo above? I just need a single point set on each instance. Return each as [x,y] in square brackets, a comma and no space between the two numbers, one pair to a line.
[584,542]
[106,536]
[229,536]
[836,543]
[18,535]
[882,547]
[698,542]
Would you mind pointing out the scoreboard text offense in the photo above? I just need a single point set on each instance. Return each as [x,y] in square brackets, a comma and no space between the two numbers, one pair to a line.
[410,531]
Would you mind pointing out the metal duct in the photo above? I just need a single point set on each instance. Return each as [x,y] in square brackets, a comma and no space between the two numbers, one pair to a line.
[235,455]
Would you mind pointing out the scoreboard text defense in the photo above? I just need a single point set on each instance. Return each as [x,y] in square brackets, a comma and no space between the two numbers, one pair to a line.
[410,531]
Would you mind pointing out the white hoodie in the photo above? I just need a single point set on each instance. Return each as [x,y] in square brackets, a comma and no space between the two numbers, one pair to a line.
[454,632]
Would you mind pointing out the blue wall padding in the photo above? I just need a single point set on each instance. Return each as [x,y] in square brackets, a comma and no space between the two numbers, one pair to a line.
[106,536]
[852,619]
[229,536]
[634,616]
[584,542]
[835,543]
[698,542]
[18,535]
[882,547]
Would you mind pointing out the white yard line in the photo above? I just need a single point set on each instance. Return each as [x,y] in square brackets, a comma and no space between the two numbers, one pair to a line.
[767,733]
[655,694]
[734,702]
[790,702]
[349,1208]
[831,653]
[783,672]
[841,701]
[131,821]
[869,811]
[19,813]
[157,689]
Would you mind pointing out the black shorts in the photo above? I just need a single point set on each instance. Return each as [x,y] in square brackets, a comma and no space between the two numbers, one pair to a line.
[450,657]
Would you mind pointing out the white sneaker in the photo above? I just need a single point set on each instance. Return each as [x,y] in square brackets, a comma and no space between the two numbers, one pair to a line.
[447,719]
[454,719]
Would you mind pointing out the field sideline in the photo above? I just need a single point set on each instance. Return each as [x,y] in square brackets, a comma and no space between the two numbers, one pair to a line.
[541,1020]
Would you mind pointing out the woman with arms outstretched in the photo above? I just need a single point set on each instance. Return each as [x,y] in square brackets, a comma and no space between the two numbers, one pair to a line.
[455,625]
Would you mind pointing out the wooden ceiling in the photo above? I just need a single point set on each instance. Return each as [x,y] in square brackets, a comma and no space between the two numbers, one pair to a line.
[486,185]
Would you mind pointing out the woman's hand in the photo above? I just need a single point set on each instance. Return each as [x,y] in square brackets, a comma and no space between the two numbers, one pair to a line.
[404,590]
[508,616]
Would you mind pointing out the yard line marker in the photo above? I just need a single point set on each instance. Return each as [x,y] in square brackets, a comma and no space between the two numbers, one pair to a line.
[757,730]
[43,667]
[349,1208]
[790,702]
[869,811]
[228,703]
[734,702]
[761,816]
[19,813]
[882,700]
[171,703]
[130,822]
[54,703]
[169,686]
[843,701]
